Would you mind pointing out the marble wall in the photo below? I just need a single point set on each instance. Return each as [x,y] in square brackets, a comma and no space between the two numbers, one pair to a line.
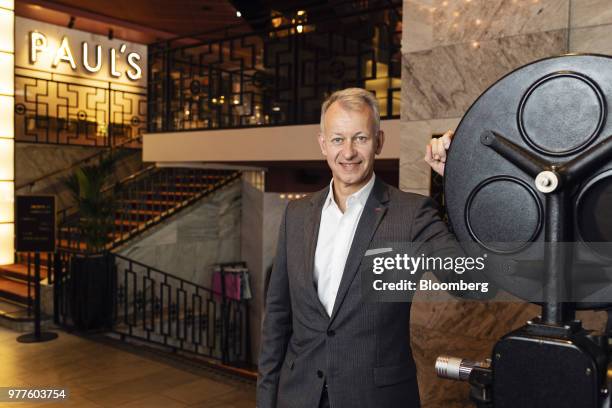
[452,51]
[34,160]
[190,242]
[261,218]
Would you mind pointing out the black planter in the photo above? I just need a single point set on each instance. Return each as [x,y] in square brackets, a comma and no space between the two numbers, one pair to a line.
[92,283]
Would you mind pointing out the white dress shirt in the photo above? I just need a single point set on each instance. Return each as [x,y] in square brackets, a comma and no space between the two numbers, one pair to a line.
[336,233]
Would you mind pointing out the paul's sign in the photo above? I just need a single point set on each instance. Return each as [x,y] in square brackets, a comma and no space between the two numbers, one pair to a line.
[91,56]
[55,49]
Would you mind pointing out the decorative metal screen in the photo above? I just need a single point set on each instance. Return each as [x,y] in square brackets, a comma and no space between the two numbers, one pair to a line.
[48,111]
[278,76]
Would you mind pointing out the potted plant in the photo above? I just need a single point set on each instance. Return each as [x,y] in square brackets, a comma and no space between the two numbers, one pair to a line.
[91,279]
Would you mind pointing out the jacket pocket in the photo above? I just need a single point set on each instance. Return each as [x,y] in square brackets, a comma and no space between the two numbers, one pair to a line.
[289,359]
[390,375]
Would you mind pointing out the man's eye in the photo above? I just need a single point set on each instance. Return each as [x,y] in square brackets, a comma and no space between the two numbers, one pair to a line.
[336,140]
[361,139]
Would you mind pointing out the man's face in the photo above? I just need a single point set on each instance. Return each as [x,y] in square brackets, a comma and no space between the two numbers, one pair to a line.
[350,145]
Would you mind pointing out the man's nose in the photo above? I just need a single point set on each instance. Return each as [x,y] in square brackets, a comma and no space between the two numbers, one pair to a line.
[348,150]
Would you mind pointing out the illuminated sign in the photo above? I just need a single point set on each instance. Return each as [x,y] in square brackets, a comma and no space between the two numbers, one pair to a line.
[63,54]
[45,47]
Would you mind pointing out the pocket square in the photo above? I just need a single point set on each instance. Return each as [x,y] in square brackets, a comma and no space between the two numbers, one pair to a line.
[376,251]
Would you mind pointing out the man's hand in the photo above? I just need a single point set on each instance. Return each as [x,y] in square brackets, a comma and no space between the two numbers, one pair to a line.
[435,154]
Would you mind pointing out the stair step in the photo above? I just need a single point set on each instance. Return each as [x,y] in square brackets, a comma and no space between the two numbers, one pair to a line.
[184,187]
[168,193]
[63,243]
[14,291]
[20,272]
[151,213]
[128,223]
[150,203]
[14,315]
[201,176]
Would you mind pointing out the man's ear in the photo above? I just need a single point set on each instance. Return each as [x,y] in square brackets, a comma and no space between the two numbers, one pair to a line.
[380,141]
[322,144]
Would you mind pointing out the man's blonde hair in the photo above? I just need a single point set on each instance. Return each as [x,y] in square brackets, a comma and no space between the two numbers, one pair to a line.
[353,99]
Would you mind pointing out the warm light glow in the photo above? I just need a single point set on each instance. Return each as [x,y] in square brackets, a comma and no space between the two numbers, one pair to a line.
[301,12]
[7,157]
[238,13]
[7,201]
[7,252]
[300,28]
[6,114]
[7,70]
[7,21]
[7,132]
[7,4]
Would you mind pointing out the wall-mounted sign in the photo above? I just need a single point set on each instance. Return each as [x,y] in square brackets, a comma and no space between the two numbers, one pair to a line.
[35,223]
[55,49]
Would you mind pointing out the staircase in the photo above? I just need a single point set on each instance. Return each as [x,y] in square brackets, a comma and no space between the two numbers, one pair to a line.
[143,199]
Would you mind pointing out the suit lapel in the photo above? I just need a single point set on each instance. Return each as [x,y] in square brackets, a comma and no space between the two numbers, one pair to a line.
[311,235]
[371,217]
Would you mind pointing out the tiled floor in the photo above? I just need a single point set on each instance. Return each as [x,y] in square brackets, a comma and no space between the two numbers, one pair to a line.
[102,375]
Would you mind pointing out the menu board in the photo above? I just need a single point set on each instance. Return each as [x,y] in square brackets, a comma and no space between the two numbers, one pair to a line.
[35,223]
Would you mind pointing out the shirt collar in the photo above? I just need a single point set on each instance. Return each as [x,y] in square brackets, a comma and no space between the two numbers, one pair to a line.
[360,196]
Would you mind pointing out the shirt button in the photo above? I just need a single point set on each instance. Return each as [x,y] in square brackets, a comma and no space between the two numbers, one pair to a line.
[331,333]
[319,373]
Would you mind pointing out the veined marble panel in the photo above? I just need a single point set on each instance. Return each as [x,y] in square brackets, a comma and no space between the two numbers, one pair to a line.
[417,25]
[586,13]
[251,250]
[445,81]
[190,242]
[592,39]
[434,23]
[414,137]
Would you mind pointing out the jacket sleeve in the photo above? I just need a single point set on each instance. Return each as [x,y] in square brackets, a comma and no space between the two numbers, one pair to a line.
[277,326]
[432,238]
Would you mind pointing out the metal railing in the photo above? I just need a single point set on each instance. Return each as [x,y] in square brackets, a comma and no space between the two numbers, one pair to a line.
[56,112]
[277,76]
[148,304]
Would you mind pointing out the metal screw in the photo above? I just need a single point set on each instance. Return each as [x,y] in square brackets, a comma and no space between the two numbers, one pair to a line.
[588,371]
[604,391]
[497,356]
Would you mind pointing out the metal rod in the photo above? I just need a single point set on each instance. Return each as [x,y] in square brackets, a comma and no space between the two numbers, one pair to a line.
[515,154]
[587,162]
[37,295]
[557,259]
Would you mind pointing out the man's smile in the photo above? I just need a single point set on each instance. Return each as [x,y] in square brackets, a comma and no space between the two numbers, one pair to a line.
[349,166]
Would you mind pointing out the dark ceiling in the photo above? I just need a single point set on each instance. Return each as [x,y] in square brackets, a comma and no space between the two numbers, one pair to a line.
[148,21]
[154,19]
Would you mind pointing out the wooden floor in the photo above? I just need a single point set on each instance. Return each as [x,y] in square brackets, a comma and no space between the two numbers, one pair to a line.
[103,375]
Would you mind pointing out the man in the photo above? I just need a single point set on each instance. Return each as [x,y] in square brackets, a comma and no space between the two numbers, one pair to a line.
[322,345]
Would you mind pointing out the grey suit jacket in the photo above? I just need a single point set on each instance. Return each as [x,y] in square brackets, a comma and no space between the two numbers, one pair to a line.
[363,350]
